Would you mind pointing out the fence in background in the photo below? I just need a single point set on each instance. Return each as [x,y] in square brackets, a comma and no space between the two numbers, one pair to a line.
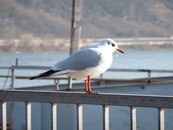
[17,67]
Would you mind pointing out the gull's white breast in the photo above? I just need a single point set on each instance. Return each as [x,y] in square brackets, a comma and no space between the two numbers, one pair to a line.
[103,65]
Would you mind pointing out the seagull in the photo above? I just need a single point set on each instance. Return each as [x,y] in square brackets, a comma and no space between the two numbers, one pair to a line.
[85,63]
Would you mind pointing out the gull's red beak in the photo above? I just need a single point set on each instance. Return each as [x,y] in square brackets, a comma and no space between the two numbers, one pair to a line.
[120,50]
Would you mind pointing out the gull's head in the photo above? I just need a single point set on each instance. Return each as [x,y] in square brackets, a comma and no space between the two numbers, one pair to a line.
[111,45]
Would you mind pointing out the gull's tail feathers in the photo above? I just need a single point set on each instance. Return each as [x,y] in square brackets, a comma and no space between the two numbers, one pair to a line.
[45,74]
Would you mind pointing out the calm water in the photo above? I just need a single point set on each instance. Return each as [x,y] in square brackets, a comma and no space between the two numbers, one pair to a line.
[160,59]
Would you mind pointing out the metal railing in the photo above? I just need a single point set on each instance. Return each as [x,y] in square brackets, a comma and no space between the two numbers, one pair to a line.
[33,68]
[105,100]
[148,71]
[132,101]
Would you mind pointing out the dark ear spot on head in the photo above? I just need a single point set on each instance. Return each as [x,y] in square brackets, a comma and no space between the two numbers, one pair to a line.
[108,42]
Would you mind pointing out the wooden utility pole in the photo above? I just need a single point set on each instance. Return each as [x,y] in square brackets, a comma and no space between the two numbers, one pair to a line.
[75,29]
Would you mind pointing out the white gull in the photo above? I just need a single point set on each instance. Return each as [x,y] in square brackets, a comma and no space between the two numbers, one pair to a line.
[86,63]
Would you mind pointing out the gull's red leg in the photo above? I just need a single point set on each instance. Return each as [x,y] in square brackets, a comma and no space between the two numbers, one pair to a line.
[86,87]
[89,87]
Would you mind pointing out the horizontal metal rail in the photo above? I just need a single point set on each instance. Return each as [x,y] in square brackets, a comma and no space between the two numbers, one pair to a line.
[54,97]
[13,77]
[26,67]
[28,77]
[82,98]
[97,79]
[141,70]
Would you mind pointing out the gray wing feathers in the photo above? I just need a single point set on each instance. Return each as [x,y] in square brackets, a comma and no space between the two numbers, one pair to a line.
[80,60]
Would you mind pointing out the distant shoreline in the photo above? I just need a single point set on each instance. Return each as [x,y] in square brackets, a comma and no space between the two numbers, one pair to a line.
[52,45]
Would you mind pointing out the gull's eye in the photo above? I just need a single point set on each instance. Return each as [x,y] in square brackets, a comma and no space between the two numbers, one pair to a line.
[113,44]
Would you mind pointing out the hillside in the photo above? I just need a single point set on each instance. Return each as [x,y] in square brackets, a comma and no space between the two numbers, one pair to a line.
[110,18]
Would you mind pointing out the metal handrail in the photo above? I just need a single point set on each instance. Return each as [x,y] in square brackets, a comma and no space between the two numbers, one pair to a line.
[21,67]
[79,99]
[82,98]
